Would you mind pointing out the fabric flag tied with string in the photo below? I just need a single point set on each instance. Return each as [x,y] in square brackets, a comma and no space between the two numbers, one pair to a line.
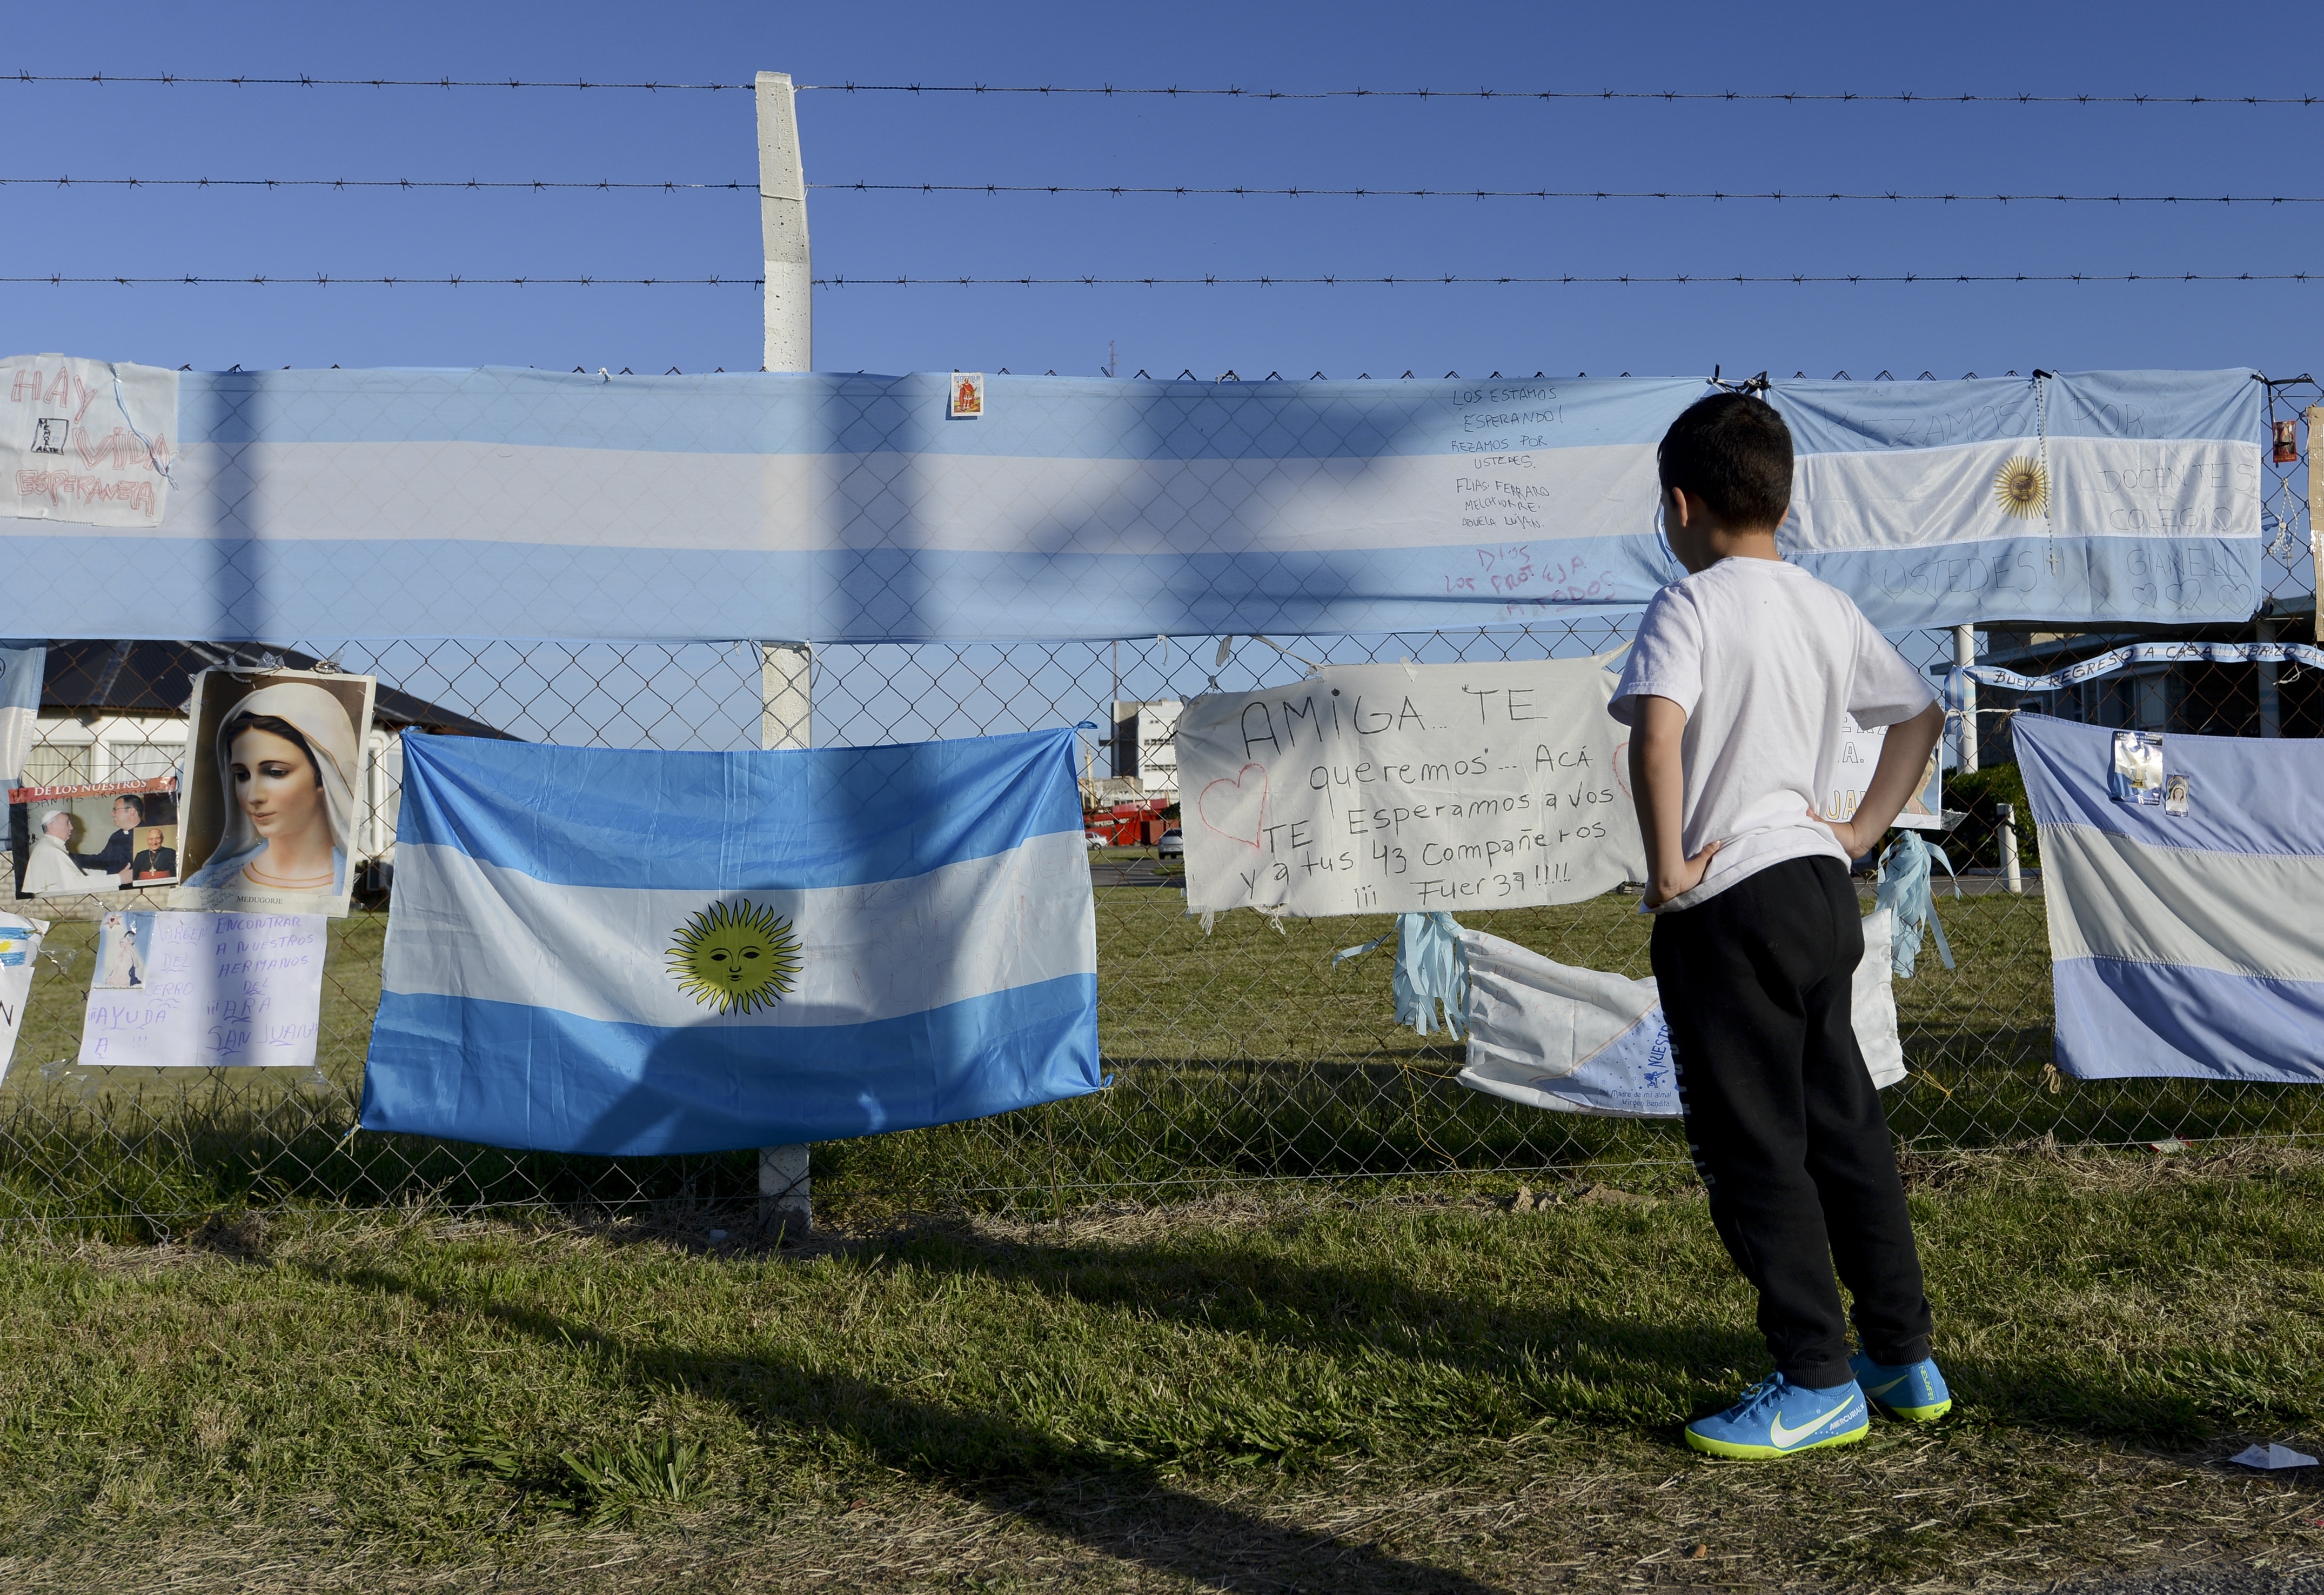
[2184,935]
[620,952]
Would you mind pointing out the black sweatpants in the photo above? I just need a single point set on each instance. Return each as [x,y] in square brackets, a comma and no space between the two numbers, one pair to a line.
[1782,1117]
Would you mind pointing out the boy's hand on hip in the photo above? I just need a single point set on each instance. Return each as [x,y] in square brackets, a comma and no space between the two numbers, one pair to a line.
[1846,833]
[1683,879]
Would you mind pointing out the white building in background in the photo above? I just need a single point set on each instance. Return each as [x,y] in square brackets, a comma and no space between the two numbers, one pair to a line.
[1146,746]
[123,748]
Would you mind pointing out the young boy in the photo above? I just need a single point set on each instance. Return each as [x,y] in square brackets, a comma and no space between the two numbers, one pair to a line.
[1734,692]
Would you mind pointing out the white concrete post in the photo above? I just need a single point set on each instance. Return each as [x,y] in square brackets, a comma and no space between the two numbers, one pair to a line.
[2270,706]
[786,701]
[1965,653]
[2009,869]
[782,224]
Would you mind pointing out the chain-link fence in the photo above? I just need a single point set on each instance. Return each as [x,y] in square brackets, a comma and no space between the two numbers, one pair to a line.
[1237,1052]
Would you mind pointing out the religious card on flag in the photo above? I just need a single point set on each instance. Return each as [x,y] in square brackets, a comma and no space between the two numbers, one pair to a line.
[2137,774]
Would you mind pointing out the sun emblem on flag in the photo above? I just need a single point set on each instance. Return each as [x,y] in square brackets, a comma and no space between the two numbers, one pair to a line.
[2022,487]
[735,956]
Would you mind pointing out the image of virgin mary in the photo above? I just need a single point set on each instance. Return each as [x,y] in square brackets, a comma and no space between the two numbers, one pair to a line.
[287,758]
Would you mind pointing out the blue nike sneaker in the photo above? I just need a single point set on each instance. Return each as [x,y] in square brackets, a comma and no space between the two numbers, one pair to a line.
[1913,1390]
[1777,1417]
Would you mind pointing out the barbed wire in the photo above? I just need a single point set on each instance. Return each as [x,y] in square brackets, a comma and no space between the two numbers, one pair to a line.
[307,81]
[1328,280]
[326,280]
[1771,194]
[1176,91]
[66,181]
[1454,278]
[1666,95]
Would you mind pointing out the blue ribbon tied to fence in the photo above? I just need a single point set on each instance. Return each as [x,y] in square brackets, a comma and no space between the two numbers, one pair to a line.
[1430,967]
[1905,892]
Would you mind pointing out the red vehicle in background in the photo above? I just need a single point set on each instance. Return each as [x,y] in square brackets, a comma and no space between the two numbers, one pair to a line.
[1137,822]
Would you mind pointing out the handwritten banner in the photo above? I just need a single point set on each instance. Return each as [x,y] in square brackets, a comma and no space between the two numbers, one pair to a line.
[1394,788]
[85,441]
[205,991]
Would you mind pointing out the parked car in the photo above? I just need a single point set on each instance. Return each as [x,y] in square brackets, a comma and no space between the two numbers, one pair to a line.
[1172,844]
[1093,840]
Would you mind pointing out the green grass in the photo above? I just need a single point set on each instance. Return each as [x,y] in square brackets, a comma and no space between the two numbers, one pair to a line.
[1238,1055]
[1435,1395]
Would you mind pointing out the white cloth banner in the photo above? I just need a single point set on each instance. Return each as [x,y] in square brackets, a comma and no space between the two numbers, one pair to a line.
[857,508]
[1408,789]
[85,441]
[205,990]
[1579,1041]
[20,952]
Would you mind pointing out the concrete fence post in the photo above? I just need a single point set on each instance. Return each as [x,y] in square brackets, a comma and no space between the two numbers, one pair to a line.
[786,697]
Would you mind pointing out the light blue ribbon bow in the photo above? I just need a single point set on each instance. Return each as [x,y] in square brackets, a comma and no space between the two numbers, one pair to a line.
[1430,968]
[1904,891]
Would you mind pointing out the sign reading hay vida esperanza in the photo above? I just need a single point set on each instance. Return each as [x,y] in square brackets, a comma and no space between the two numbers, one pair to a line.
[1394,788]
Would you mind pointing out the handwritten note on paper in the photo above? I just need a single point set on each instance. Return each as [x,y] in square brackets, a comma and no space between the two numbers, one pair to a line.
[1394,788]
[213,990]
[85,441]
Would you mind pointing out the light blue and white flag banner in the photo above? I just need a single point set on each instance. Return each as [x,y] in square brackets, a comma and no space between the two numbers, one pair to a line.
[24,668]
[624,952]
[529,504]
[2182,943]
[1582,1040]
[2084,495]
[2115,659]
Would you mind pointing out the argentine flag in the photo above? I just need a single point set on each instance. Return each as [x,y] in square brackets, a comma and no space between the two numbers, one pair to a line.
[2182,943]
[23,666]
[620,952]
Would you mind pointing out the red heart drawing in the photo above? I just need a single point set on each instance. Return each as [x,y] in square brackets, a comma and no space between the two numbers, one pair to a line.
[1622,768]
[1231,802]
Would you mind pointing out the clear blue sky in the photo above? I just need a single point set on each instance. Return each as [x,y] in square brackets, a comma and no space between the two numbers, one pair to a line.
[191,131]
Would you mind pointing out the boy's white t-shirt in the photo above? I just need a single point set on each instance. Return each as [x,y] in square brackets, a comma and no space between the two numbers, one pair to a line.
[1765,659]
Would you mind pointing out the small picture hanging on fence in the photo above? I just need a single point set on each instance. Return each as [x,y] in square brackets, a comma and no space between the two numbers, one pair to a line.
[2137,774]
[205,991]
[114,836]
[2177,796]
[966,399]
[20,954]
[273,778]
[122,939]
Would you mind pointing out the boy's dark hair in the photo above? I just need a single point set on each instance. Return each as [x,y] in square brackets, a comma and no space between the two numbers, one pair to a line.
[1733,453]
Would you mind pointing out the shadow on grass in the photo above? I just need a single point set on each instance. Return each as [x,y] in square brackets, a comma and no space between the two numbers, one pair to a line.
[1582,1364]
[984,1458]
